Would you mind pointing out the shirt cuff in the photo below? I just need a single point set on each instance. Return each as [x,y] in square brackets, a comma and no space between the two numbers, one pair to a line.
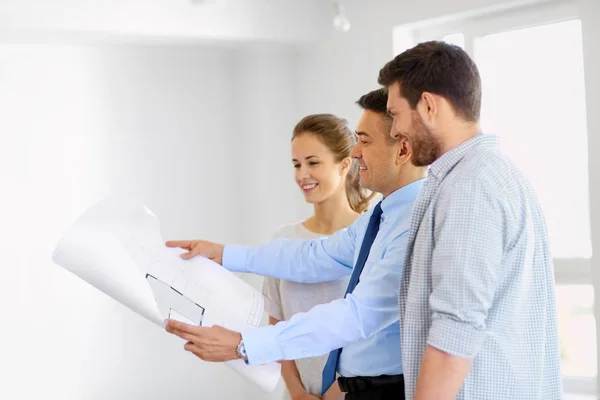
[234,258]
[459,339]
[261,344]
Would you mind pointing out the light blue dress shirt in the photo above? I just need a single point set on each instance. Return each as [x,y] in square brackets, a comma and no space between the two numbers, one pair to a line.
[365,323]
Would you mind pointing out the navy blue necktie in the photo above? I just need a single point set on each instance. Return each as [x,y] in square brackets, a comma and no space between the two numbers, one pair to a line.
[330,368]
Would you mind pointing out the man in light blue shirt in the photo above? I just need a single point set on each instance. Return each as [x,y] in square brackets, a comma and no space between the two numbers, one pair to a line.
[365,323]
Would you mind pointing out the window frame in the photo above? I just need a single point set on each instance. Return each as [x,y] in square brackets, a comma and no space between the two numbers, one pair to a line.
[567,271]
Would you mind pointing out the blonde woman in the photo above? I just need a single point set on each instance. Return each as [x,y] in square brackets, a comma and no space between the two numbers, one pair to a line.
[329,180]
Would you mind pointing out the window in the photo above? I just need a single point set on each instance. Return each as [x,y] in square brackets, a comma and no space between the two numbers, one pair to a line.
[455,38]
[534,98]
[578,330]
[531,65]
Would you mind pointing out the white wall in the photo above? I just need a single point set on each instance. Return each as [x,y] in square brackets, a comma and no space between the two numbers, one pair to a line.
[268,195]
[79,122]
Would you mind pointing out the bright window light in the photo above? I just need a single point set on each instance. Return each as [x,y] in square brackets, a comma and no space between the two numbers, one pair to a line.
[534,99]
[455,38]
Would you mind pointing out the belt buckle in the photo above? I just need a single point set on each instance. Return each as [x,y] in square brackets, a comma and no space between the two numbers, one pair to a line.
[363,384]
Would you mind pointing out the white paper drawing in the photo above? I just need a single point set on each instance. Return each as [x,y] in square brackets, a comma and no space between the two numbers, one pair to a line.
[116,246]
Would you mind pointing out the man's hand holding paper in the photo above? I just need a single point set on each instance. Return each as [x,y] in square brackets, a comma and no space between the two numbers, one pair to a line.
[215,344]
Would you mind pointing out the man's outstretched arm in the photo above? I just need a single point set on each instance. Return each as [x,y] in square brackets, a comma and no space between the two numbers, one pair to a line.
[371,307]
[315,260]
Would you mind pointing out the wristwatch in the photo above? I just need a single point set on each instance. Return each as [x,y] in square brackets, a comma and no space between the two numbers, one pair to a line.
[241,351]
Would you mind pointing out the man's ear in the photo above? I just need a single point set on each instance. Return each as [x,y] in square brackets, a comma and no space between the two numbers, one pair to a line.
[405,151]
[428,109]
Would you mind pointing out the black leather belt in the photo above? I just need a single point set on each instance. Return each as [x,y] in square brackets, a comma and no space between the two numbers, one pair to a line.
[364,383]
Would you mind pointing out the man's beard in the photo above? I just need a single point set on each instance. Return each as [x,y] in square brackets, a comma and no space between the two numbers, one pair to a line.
[426,148]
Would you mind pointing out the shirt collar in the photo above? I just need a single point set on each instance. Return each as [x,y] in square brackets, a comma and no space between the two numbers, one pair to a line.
[405,194]
[440,167]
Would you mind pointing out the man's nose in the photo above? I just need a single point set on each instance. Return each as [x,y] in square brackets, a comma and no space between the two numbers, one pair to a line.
[394,133]
[355,153]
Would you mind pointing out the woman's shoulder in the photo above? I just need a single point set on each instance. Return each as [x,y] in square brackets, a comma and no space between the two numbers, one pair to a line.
[295,230]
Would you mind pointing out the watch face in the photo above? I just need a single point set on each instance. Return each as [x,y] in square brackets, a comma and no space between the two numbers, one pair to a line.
[241,350]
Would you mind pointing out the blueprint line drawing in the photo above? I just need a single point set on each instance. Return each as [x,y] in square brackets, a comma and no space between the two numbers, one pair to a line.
[256,311]
[116,246]
[172,303]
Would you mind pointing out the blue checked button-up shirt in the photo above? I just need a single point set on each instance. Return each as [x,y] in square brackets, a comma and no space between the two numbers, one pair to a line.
[365,323]
[478,280]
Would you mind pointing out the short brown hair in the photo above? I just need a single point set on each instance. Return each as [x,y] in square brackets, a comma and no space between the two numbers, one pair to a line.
[440,68]
[340,140]
[376,101]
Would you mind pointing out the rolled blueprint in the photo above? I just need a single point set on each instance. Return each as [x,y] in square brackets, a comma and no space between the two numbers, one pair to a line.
[116,246]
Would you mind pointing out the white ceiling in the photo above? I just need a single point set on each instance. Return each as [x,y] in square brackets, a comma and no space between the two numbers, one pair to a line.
[166,21]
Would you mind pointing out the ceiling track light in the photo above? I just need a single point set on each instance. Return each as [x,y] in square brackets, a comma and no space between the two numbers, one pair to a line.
[340,20]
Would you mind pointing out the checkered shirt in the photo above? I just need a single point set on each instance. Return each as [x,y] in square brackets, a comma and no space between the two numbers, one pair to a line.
[478,280]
